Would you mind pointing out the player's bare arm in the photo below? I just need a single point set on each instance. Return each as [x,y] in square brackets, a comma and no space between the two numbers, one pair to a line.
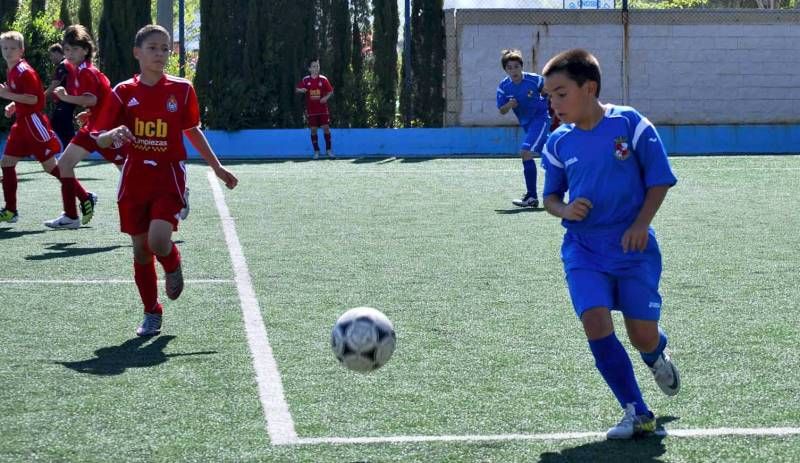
[326,98]
[576,210]
[200,143]
[85,100]
[636,236]
[300,90]
[24,98]
[10,109]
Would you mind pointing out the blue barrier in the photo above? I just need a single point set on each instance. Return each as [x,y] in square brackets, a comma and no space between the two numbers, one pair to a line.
[482,141]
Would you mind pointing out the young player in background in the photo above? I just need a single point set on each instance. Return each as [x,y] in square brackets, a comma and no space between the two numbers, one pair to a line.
[63,112]
[318,91]
[30,134]
[151,113]
[613,164]
[88,88]
[522,92]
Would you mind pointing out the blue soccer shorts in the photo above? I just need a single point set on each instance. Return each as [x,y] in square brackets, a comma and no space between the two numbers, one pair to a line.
[536,133]
[599,274]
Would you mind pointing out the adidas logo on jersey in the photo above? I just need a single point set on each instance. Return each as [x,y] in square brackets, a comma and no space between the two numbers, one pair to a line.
[133,102]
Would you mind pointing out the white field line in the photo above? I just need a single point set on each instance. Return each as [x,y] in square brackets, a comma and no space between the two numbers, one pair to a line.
[111,281]
[280,425]
[713,432]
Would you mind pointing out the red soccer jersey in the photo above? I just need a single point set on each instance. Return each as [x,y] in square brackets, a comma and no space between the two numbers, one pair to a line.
[23,79]
[317,87]
[156,115]
[87,79]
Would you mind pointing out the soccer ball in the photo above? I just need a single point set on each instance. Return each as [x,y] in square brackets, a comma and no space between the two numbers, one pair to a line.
[363,339]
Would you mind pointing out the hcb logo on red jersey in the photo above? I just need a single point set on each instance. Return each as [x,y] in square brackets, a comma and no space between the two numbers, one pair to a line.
[150,129]
[147,131]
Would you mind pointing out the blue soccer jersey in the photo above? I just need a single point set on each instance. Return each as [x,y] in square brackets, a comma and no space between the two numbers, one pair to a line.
[531,104]
[611,165]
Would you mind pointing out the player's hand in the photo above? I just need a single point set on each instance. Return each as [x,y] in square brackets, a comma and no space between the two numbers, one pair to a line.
[577,210]
[82,118]
[512,103]
[635,238]
[60,92]
[120,135]
[227,177]
[302,90]
[10,109]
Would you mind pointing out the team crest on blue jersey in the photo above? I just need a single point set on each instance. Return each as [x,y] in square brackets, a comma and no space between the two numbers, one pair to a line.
[621,150]
[172,104]
[530,93]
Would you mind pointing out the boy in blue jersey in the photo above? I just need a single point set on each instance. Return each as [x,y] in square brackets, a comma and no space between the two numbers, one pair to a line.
[613,164]
[522,93]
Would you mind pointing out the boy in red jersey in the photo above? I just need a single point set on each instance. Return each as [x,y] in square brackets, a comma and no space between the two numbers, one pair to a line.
[88,88]
[151,113]
[31,134]
[318,91]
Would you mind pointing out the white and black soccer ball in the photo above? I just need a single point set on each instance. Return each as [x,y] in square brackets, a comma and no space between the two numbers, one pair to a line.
[363,339]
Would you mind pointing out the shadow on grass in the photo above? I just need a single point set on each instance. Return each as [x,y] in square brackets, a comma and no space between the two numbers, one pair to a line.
[519,210]
[59,250]
[114,360]
[644,449]
[9,233]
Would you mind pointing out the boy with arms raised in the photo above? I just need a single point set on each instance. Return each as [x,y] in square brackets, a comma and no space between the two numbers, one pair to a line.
[151,113]
[31,134]
[613,164]
[522,92]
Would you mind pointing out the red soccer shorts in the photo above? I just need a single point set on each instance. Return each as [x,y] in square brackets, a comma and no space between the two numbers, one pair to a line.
[318,120]
[85,141]
[32,136]
[150,190]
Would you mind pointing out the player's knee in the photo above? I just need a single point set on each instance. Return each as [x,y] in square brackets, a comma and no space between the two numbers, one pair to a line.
[526,155]
[644,340]
[597,323]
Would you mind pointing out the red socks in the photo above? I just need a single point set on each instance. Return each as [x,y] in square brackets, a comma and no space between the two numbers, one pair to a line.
[171,261]
[10,188]
[147,283]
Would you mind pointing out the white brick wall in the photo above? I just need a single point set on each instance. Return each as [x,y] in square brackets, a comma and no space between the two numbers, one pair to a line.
[678,73]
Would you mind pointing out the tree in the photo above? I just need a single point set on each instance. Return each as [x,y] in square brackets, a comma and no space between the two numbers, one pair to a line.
[37,7]
[340,72]
[119,23]
[85,15]
[8,13]
[361,49]
[427,61]
[384,46]
[63,13]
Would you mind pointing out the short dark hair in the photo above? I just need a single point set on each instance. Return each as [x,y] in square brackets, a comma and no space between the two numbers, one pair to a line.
[77,36]
[311,60]
[147,31]
[578,64]
[510,55]
[56,48]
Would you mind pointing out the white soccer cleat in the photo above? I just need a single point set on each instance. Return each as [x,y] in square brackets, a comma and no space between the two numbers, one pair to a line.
[151,325]
[632,424]
[666,374]
[63,223]
[526,201]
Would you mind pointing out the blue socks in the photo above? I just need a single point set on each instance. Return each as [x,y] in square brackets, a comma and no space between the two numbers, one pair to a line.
[529,169]
[616,368]
[651,357]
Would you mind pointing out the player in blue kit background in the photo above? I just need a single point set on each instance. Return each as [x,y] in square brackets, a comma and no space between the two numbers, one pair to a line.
[522,92]
[613,164]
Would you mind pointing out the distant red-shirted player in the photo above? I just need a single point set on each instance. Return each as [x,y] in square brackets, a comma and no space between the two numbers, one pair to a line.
[87,87]
[151,113]
[31,134]
[318,91]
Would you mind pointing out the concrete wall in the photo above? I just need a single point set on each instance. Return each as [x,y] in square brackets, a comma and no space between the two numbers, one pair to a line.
[677,66]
